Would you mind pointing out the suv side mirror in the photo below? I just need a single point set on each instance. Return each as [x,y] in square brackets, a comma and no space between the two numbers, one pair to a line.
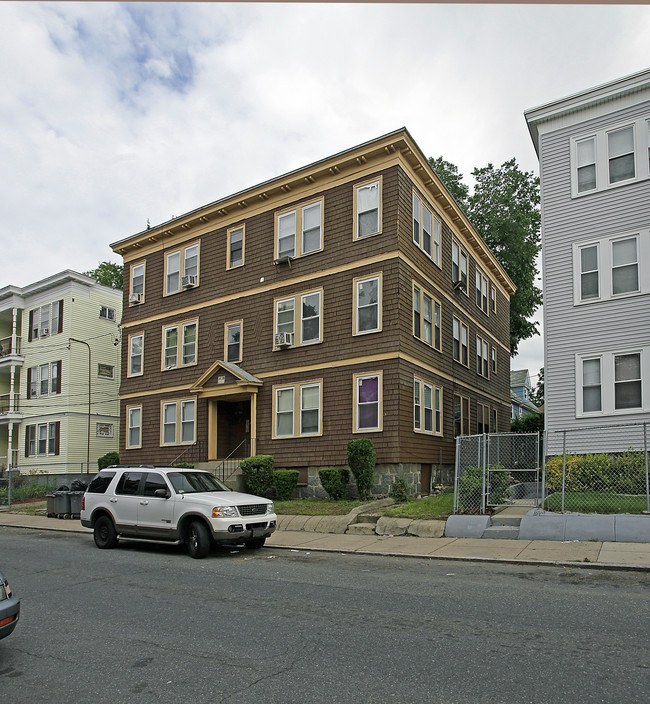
[162,493]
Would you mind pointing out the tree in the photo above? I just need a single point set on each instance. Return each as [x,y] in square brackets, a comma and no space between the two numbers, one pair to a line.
[528,423]
[453,181]
[537,397]
[108,274]
[504,210]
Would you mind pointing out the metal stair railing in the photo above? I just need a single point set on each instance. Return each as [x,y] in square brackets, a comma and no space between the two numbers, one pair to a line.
[230,465]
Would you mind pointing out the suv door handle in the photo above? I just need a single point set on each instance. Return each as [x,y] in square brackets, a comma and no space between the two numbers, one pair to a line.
[113,501]
[144,503]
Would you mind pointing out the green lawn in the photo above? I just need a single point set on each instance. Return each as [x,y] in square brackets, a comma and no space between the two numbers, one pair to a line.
[316,507]
[596,502]
[429,508]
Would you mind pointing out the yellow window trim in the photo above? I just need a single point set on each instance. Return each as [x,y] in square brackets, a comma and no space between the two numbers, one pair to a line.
[296,388]
[298,235]
[181,271]
[356,186]
[229,233]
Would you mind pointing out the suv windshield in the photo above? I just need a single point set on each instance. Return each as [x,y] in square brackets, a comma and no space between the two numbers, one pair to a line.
[193,482]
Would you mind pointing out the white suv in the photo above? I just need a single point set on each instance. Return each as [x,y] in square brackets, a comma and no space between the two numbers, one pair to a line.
[173,505]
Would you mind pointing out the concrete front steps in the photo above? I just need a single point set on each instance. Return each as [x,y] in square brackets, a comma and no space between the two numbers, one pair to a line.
[505,524]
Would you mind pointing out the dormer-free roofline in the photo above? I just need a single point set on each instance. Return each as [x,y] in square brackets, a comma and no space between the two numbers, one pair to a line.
[397,144]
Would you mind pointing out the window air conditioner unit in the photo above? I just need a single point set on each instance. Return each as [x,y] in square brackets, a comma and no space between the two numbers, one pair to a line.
[283,339]
[135,298]
[45,332]
[459,284]
[283,260]
[189,281]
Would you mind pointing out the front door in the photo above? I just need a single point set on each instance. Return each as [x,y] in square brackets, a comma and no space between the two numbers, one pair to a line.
[233,428]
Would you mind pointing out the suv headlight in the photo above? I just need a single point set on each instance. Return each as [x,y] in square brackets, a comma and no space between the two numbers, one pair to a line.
[269,508]
[225,512]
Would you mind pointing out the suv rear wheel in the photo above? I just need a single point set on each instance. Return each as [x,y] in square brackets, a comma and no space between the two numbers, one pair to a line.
[104,533]
[198,540]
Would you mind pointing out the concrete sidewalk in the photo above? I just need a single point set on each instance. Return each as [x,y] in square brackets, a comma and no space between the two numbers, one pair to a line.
[590,554]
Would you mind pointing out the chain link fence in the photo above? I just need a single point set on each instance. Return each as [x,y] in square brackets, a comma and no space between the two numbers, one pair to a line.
[497,469]
[598,469]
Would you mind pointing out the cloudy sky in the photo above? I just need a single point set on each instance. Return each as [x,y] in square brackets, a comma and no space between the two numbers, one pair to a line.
[112,114]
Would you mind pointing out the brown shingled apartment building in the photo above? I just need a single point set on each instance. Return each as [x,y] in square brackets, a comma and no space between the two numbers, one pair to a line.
[349,298]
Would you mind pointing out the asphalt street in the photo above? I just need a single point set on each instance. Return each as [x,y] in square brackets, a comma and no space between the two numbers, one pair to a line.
[147,623]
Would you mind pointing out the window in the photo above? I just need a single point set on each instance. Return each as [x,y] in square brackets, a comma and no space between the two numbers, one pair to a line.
[459,265]
[482,418]
[461,415]
[367,309]
[129,484]
[482,364]
[104,430]
[610,157]
[627,381]
[481,290]
[184,334]
[182,269]
[426,317]
[368,403]
[235,247]
[620,144]
[106,371]
[612,382]
[107,313]
[44,379]
[43,439]
[233,338]
[426,229]
[612,267]
[306,220]
[174,432]
[493,298]
[367,206]
[309,330]
[137,283]
[136,349]
[134,422]
[427,407]
[307,399]
[46,320]
[493,352]
[591,386]
[625,266]
[461,334]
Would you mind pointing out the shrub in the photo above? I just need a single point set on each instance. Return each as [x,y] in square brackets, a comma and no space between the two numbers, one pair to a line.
[184,465]
[108,459]
[398,490]
[361,460]
[334,480]
[583,473]
[286,481]
[628,472]
[258,473]
[470,487]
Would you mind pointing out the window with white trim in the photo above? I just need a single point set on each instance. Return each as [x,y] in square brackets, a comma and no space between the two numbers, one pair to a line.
[299,231]
[367,202]
[367,305]
[179,345]
[308,329]
[182,269]
[134,427]
[613,383]
[178,422]
[235,247]
[107,313]
[426,317]
[368,403]
[493,298]
[611,267]
[46,320]
[44,379]
[493,352]
[104,430]
[105,371]
[461,335]
[136,354]
[43,439]
[297,410]
[427,407]
[610,157]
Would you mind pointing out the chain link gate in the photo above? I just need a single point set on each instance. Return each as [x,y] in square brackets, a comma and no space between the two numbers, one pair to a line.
[497,469]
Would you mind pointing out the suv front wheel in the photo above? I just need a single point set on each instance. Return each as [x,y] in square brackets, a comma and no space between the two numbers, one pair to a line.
[104,533]
[198,540]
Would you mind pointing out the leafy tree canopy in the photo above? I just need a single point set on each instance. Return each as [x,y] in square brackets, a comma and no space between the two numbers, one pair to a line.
[528,423]
[504,210]
[537,397]
[109,274]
